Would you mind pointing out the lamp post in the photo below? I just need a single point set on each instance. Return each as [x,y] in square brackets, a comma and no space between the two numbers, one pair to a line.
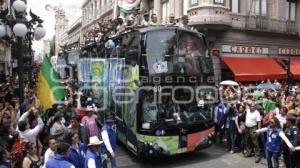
[14,18]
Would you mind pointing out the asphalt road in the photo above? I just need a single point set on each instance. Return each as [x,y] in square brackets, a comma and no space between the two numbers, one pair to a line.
[213,157]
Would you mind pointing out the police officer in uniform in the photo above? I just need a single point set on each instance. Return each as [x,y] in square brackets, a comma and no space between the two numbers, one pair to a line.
[291,133]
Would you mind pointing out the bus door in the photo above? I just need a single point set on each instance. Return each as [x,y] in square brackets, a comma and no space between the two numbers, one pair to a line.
[131,77]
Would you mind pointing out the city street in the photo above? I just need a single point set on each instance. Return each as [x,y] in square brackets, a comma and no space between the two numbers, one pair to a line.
[213,157]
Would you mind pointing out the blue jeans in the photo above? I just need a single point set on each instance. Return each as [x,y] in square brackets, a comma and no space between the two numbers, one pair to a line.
[108,158]
[231,136]
[275,156]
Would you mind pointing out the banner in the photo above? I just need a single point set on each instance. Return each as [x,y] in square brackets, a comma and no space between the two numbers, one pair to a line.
[128,5]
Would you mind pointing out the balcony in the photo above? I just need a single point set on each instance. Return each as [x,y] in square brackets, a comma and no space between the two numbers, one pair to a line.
[263,23]
[210,16]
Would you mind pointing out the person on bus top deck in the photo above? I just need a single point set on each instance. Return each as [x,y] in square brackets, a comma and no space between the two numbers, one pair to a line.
[146,19]
[109,136]
[185,22]
[135,17]
[171,21]
[154,21]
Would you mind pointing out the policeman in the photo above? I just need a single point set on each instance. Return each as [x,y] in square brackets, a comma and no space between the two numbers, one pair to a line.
[291,133]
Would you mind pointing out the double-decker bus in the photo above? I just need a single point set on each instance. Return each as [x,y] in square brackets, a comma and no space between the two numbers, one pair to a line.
[160,86]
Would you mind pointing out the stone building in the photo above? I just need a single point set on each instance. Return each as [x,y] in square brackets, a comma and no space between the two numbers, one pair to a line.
[94,11]
[61,26]
[241,29]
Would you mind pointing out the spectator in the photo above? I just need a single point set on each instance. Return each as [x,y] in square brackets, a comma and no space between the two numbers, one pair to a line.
[58,128]
[282,117]
[31,159]
[93,157]
[240,124]
[231,127]
[50,152]
[109,136]
[253,122]
[91,122]
[219,119]
[4,160]
[60,159]
[77,152]
[80,129]
[28,134]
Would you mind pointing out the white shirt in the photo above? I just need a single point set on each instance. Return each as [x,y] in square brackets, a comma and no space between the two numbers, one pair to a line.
[49,154]
[252,118]
[106,141]
[31,134]
[282,120]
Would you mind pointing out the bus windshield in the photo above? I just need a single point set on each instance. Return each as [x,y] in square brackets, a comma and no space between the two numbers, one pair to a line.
[172,52]
[177,108]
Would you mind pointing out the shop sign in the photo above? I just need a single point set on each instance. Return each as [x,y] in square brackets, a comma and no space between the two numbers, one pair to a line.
[288,51]
[235,49]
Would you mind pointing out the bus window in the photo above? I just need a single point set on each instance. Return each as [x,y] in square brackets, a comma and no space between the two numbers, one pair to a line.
[133,42]
[194,53]
[163,55]
[160,48]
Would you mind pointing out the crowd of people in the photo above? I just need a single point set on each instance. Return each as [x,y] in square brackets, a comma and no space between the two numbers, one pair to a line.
[261,122]
[137,19]
[67,135]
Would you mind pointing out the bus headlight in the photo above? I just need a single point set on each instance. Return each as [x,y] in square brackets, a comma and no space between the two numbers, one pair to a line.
[160,132]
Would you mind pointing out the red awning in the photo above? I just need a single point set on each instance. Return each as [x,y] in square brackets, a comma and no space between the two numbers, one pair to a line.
[295,68]
[255,69]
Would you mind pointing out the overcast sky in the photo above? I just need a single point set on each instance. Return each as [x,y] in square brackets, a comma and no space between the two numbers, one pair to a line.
[71,7]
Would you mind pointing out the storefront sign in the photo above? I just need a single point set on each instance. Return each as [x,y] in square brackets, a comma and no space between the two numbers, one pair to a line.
[244,49]
[288,51]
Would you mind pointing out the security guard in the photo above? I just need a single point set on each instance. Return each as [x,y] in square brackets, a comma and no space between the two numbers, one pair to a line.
[291,133]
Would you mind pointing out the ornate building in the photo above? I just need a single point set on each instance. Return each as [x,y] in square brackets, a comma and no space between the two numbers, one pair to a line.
[61,26]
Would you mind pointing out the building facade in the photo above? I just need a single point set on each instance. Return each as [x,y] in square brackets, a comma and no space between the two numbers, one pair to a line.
[94,11]
[239,28]
[74,34]
[61,27]
[6,63]
[46,47]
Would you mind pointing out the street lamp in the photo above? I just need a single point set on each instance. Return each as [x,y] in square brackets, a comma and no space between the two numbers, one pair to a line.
[14,18]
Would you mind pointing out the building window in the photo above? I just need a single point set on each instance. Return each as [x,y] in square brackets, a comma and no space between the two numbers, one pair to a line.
[291,11]
[165,11]
[220,2]
[261,7]
[194,2]
[235,6]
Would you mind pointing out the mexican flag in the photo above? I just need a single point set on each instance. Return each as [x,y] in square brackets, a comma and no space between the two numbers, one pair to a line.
[128,5]
[49,88]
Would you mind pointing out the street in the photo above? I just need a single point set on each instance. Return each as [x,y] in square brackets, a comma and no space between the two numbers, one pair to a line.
[213,157]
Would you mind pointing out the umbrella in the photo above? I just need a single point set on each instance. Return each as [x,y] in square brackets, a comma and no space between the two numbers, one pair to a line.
[268,86]
[229,83]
